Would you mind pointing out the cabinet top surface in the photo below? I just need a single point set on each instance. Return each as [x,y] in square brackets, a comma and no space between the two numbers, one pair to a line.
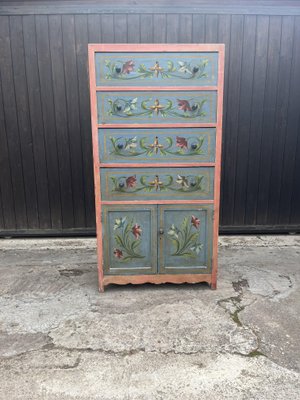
[137,47]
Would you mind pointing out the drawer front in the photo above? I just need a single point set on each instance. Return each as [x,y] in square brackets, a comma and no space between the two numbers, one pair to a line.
[129,239]
[185,245]
[161,145]
[156,69]
[156,107]
[157,183]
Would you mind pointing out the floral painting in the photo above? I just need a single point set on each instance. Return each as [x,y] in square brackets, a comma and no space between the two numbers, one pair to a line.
[181,146]
[183,108]
[150,183]
[127,236]
[181,69]
[185,239]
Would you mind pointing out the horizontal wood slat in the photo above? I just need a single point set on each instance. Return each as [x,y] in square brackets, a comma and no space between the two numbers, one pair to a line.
[120,7]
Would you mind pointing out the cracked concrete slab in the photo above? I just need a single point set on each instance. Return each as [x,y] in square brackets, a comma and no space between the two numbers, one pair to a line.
[181,327]
[142,376]
[61,339]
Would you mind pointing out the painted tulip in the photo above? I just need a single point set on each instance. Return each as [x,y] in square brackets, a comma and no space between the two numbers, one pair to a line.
[128,67]
[131,181]
[137,231]
[184,105]
[181,142]
[195,222]
[118,253]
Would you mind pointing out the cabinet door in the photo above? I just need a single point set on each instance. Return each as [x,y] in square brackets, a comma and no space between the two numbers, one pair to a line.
[129,239]
[185,239]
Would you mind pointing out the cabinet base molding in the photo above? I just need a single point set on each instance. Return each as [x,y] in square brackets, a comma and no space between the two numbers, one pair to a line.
[157,279]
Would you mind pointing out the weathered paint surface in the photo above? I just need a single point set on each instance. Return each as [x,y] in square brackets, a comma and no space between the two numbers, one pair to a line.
[136,125]
[186,243]
[157,145]
[156,107]
[157,183]
[156,69]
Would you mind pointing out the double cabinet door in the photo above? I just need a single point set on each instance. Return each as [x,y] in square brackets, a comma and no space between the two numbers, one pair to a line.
[157,239]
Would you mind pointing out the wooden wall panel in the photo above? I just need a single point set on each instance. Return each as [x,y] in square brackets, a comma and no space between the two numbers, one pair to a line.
[61,120]
[46,177]
[82,35]
[11,139]
[231,113]
[271,90]
[23,115]
[48,112]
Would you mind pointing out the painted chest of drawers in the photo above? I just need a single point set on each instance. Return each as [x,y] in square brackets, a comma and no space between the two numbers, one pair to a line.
[157,123]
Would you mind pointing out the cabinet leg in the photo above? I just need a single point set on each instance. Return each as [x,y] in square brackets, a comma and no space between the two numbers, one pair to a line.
[101,288]
[213,285]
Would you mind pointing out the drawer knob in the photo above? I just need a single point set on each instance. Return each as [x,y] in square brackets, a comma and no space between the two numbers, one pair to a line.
[161,231]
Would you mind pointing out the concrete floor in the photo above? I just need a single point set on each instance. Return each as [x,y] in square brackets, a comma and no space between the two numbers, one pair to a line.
[61,339]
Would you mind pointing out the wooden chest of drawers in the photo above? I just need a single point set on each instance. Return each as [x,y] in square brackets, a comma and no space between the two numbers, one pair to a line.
[157,125]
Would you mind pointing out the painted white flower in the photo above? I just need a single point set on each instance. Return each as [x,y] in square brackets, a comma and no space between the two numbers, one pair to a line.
[119,223]
[131,105]
[197,248]
[131,143]
[184,67]
[173,231]
[182,180]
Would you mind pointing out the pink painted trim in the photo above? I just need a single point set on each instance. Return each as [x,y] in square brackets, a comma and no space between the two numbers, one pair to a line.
[107,202]
[218,165]
[157,47]
[94,118]
[146,165]
[176,125]
[155,88]
[156,279]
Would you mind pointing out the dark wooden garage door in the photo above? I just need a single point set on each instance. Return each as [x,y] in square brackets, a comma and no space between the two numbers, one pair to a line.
[46,175]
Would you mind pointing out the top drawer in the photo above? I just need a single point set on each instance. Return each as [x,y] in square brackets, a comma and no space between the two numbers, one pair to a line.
[156,69]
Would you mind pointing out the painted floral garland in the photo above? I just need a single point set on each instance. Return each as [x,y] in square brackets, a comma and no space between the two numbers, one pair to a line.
[127,147]
[129,184]
[122,70]
[128,108]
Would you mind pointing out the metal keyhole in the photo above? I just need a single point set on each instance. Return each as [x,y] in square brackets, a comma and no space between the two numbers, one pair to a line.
[161,231]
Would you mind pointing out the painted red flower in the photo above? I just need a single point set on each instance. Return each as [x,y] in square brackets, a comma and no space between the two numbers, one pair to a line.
[136,230]
[118,253]
[184,105]
[195,222]
[128,67]
[131,181]
[181,142]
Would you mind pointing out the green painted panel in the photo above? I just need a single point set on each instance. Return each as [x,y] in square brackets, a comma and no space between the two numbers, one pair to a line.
[185,246]
[186,145]
[129,239]
[156,107]
[157,69]
[157,183]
